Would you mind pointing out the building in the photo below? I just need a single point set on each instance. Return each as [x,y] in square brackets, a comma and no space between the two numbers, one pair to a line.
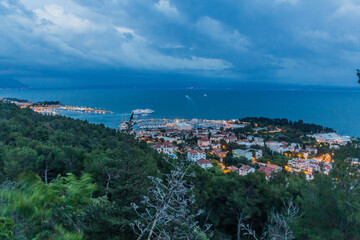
[298,165]
[334,146]
[275,168]
[316,166]
[237,153]
[203,163]
[250,138]
[166,147]
[245,170]
[195,155]
[259,141]
[295,145]
[204,143]
[354,161]
[182,126]
[245,143]
[276,146]
[268,172]
[242,125]
[215,146]
[311,150]
[332,138]
[303,153]
[233,169]
[258,153]
[273,144]
[282,150]
[217,137]
[269,169]
[230,139]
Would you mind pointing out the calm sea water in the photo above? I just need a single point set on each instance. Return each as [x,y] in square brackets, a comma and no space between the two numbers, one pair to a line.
[337,109]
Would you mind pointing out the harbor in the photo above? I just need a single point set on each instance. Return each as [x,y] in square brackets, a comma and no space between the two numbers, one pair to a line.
[182,124]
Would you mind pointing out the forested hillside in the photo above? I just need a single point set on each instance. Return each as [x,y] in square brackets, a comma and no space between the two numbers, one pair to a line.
[67,179]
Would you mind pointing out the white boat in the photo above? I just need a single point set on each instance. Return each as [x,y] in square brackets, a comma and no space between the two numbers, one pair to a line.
[142,111]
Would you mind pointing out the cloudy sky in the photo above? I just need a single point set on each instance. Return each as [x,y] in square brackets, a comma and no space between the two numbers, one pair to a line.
[287,41]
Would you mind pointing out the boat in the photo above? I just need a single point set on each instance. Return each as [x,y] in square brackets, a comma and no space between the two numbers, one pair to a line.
[142,111]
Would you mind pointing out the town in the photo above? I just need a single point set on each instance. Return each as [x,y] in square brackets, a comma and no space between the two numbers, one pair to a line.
[240,146]
[243,147]
[51,107]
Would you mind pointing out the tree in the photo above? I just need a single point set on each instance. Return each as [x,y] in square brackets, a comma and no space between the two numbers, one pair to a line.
[168,212]
[6,228]
[130,124]
[53,211]
[331,205]
[278,226]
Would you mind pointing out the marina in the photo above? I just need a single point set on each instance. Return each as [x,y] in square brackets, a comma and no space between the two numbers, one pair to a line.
[182,124]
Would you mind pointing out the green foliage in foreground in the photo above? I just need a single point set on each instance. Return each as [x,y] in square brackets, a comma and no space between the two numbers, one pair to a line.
[68,179]
[45,211]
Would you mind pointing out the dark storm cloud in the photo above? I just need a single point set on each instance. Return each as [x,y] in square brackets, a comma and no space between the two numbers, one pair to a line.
[292,41]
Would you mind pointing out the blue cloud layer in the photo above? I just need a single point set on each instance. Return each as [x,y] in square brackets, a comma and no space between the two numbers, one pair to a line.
[292,41]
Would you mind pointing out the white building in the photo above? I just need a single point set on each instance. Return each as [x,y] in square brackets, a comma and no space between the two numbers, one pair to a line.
[322,167]
[259,141]
[242,153]
[303,153]
[331,138]
[195,155]
[273,144]
[250,137]
[311,150]
[237,125]
[204,163]
[230,139]
[295,146]
[204,143]
[244,143]
[182,126]
[258,153]
[334,146]
[166,147]
[217,137]
[245,170]
[298,165]
[353,161]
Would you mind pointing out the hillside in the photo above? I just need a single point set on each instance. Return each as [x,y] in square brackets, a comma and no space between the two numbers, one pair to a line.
[67,179]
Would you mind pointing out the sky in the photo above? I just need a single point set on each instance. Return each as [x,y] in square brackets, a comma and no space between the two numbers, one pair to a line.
[99,42]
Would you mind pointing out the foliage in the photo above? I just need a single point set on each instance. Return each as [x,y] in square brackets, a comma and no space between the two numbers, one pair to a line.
[47,192]
[50,146]
[168,209]
[51,209]
[296,125]
[6,228]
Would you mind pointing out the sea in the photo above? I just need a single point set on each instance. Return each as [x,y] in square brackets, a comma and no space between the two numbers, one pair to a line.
[338,109]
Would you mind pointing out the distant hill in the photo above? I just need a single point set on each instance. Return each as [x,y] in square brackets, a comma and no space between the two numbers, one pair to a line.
[11,83]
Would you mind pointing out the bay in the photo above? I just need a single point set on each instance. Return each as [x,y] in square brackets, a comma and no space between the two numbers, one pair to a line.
[338,109]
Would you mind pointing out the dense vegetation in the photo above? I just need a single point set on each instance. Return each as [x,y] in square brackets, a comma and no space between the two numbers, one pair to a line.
[295,125]
[67,179]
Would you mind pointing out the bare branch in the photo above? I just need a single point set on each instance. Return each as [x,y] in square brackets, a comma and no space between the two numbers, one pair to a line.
[168,210]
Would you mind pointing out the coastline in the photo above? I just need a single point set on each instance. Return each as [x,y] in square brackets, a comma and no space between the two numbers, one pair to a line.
[336,109]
